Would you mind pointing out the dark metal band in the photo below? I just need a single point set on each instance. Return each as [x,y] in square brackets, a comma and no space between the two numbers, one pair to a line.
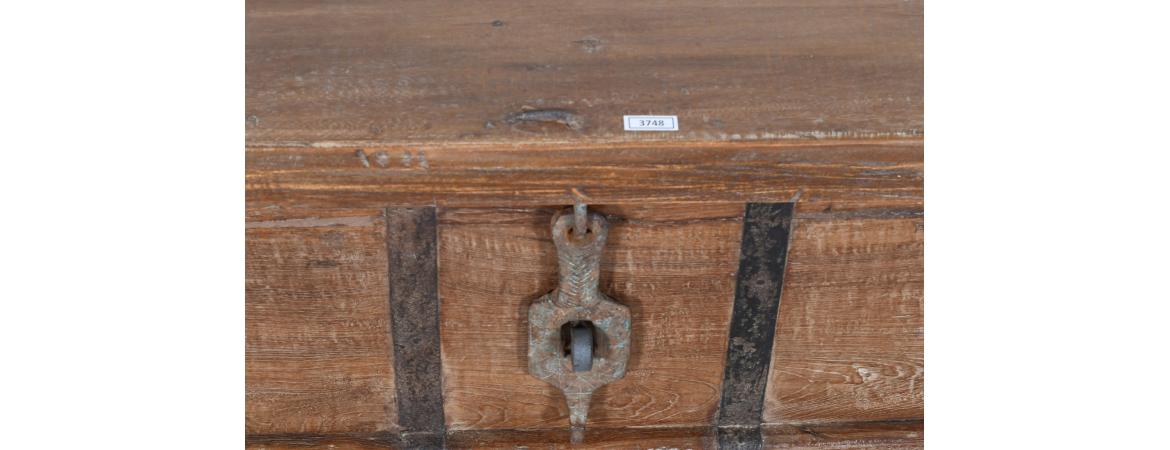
[763,254]
[411,242]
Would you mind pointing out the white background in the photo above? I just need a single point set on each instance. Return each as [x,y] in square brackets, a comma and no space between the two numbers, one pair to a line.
[122,320]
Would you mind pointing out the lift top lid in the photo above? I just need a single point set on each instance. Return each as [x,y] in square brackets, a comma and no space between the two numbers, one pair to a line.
[392,72]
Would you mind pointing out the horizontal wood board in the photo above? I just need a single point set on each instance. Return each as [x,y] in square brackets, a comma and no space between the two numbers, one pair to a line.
[317,341]
[849,339]
[897,435]
[906,435]
[868,178]
[448,71]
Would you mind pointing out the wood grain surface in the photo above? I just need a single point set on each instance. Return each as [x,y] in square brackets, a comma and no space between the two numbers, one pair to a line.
[317,347]
[448,71]
[899,435]
[902,435]
[828,177]
[673,266]
[597,438]
[849,342]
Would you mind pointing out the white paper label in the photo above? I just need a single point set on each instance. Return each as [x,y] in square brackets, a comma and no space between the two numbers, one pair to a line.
[651,123]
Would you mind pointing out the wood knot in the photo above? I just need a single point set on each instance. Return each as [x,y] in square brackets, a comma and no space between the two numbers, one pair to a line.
[564,117]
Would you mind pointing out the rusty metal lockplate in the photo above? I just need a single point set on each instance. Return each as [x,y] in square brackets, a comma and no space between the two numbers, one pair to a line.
[580,238]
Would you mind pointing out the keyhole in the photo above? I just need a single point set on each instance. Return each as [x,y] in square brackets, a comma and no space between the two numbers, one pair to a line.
[572,235]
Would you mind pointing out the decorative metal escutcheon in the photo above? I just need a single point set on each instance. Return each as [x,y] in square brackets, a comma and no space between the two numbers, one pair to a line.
[578,338]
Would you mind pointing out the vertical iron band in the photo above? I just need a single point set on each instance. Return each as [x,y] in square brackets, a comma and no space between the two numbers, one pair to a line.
[763,255]
[411,242]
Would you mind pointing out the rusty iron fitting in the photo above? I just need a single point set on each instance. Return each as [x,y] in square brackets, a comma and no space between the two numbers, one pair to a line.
[579,258]
[578,338]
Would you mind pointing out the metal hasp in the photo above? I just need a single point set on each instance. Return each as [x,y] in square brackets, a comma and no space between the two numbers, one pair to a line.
[578,338]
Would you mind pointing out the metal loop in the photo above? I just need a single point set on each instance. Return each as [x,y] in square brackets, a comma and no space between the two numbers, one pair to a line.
[580,218]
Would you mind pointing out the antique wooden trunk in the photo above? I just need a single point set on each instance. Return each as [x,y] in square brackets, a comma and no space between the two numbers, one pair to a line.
[405,161]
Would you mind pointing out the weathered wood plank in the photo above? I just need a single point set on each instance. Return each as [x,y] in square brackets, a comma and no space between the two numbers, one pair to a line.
[899,435]
[317,341]
[445,71]
[849,344]
[907,435]
[673,266]
[345,441]
[281,216]
[871,177]
[596,438]
[739,437]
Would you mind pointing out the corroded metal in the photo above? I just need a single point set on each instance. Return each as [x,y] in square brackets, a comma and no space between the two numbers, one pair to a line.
[758,283]
[577,300]
[411,238]
[580,217]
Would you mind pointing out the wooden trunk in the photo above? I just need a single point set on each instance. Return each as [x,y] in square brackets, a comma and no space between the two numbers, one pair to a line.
[399,201]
